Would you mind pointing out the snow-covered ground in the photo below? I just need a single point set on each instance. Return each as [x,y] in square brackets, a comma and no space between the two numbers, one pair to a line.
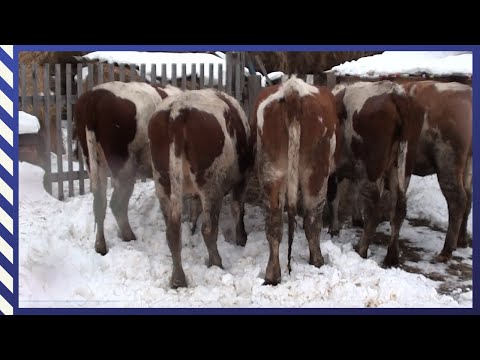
[409,62]
[58,266]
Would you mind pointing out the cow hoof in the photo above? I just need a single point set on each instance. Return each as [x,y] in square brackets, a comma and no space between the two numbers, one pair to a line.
[442,258]
[391,261]
[101,249]
[334,232]
[178,284]
[362,252]
[319,262]
[462,243]
[271,282]
[241,239]
[357,223]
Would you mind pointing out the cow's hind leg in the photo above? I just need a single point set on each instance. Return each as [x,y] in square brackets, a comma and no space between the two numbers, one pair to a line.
[238,212]
[467,181]
[456,196]
[195,211]
[211,213]
[122,191]
[313,225]
[333,200]
[398,210]
[275,192]
[371,195]
[100,209]
[174,240]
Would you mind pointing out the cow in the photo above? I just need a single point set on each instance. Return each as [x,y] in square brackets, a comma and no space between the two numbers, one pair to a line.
[445,149]
[199,143]
[296,135]
[111,126]
[381,125]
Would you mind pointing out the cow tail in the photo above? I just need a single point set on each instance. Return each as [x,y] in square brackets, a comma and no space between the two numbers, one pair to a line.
[92,158]
[408,125]
[176,168]
[293,126]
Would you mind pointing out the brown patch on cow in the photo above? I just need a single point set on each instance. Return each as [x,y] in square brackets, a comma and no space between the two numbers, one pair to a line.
[203,140]
[236,129]
[159,134]
[160,90]
[377,125]
[112,119]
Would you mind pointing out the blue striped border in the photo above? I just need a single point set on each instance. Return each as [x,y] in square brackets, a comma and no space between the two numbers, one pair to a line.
[12,181]
[8,183]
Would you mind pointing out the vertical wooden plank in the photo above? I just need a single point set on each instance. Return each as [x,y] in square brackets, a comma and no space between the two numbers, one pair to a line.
[331,80]
[48,161]
[58,105]
[90,77]
[153,74]
[228,86]
[202,76]
[23,82]
[100,73]
[194,76]
[35,74]
[69,129]
[184,76]
[143,72]
[174,74]
[111,72]
[133,72]
[309,79]
[210,75]
[254,84]
[220,77]
[164,75]
[122,72]
[242,70]
[81,168]
[238,81]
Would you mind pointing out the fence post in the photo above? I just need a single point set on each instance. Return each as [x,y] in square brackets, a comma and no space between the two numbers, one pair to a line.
[331,80]
[254,83]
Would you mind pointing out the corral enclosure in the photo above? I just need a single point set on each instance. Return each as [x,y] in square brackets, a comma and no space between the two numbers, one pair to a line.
[238,285]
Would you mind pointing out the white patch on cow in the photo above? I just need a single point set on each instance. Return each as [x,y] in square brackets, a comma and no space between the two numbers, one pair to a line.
[339,87]
[333,145]
[451,86]
[293,161]
[291,85]
[320,119]
[175,170]
[401,163]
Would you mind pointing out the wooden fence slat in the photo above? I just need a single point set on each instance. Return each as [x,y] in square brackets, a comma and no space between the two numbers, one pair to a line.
[100,73]
[133,72]
[153,74]
[122,72]
[202,76]
[220,77]
[23,82]
[228,87]
[47,156]
[111,72]
[81,178]
[90,77]
[193,77]
[174,74]
[238,81]
[58,107]
[184,76]
[210,75]
[69,129]
[164,75]
[254,84]
[142,72]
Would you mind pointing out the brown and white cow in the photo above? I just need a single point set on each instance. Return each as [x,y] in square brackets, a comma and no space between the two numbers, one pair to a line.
[295,127]
[111,125]
[381,125]
[199,142]
[445,149]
